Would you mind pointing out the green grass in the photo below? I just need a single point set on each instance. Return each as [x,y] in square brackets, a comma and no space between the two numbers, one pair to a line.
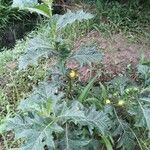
[7,56]
[130,18]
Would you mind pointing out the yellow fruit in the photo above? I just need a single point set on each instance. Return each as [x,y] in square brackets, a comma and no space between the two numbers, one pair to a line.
[121,102]
[107,101]
[73,74]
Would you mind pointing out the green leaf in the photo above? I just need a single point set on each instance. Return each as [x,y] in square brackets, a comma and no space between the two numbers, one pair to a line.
[120,83]
[103,91]
[87,55]
[86,90]
[138,116]
[98,120]
[73,113]
[37,47]
[146,62]
[147,118]
[127,140]
[36,131]
[71,17]
[73,139]
[145,110]
[41,95]
[143,69]
[125,134]
[41,9]
[145,95]
[107,143]
[24,3]
[43,46]
[85,117]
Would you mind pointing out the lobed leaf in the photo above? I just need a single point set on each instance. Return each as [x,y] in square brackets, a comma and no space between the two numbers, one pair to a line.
[40,95]
[36,131]
[71,17]
[87,55]
[37,47]
[24,3]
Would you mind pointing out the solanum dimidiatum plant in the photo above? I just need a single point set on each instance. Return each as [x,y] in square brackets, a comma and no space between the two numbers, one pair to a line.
[130,105]
[52,117]
[127,103]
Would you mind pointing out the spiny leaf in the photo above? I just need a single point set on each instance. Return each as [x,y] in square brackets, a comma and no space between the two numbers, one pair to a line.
[145,95]
[123,131]
[72,113]
[143,69]
[36,131]
[120,83]
[98,120]
[73,139]
[127,140]
[85,117]
[24,3]
[138,116]
[147,118]
[87,55]
[71,17]
[37,48]
[145,111]
[40,96]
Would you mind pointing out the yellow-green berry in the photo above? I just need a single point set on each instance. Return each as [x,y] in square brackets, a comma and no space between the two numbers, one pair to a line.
[73,74]
[121,102]
[107,101]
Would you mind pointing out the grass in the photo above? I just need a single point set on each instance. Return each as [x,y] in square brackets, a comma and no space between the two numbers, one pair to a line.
[7,56]
[130,18]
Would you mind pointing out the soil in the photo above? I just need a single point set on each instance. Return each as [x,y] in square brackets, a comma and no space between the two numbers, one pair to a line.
[118,52]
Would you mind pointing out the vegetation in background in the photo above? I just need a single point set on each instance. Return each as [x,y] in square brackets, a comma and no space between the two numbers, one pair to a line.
[14,23]
[114,16]
[129,17]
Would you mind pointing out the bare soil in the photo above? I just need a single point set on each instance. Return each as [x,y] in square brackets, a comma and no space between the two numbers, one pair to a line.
[118,51]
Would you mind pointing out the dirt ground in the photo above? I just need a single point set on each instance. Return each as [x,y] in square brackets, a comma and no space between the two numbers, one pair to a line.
[118,51]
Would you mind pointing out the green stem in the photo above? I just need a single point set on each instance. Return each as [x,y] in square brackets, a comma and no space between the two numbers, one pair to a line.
[66,134]
[69,88]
